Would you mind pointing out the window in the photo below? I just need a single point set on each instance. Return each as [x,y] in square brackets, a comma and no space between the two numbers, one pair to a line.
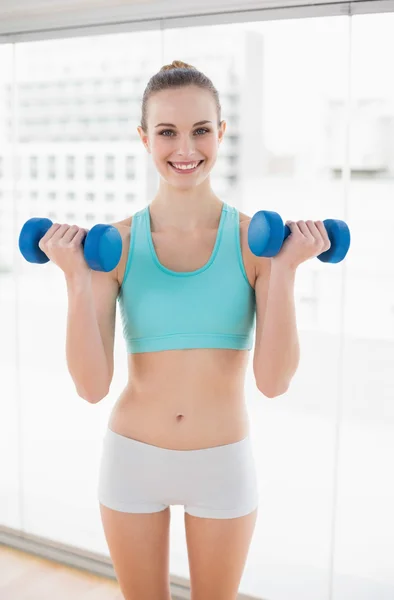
[51,167]
[130,167]
[34,167]
[70,167]
[110,167]
[286,142]
[89,167]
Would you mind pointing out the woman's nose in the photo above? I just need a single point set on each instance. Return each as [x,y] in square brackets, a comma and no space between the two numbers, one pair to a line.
[186,146]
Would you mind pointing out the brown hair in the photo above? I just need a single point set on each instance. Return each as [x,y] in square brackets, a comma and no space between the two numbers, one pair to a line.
[177,74]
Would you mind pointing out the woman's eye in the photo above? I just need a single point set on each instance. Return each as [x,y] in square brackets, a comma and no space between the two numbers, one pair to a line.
[165,131]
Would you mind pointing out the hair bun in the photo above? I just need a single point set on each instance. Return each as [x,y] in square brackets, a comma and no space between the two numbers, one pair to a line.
[177,64]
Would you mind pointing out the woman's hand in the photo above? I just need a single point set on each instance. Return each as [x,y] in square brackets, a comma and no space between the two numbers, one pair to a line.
[63,245]
[307,239]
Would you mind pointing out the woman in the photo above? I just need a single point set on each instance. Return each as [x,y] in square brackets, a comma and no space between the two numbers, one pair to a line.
[190,295]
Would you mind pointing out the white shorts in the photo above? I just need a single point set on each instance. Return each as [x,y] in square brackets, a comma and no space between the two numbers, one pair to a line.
[215,483]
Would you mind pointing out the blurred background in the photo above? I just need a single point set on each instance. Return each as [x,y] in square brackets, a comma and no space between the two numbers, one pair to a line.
[308,97]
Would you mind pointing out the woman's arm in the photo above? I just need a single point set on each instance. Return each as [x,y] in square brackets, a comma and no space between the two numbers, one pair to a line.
[91,309]
[91,333]
[277,352]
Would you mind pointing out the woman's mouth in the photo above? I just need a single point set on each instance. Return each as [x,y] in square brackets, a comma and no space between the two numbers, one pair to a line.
[184,168]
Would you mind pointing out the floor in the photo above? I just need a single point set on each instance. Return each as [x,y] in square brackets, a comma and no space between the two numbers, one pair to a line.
[27,577]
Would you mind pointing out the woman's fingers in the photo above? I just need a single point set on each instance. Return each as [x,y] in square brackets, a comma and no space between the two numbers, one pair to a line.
[323,232]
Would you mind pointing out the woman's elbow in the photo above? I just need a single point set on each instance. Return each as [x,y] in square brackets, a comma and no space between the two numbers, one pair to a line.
[93,396]
[272,391]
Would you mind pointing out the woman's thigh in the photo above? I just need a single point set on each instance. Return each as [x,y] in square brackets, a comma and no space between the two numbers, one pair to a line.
[220,517]
[136,521]
[217,551]
[139,548]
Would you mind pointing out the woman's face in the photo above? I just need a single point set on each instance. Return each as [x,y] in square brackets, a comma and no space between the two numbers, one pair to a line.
[183,132]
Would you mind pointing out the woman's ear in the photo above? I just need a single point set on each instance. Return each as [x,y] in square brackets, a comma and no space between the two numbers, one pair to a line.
[222,129]
[144,137]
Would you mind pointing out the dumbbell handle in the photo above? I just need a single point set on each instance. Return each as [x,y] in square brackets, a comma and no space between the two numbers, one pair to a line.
[47,227]
[286,232]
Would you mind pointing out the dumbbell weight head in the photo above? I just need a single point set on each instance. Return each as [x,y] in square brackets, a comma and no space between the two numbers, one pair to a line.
[103,247]
[339,236]
[266,233]
[32,231]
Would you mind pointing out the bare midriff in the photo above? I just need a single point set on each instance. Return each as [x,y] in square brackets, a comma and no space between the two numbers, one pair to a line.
[184,399]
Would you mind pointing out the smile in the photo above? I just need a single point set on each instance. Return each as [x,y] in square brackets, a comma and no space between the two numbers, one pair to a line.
[186,167]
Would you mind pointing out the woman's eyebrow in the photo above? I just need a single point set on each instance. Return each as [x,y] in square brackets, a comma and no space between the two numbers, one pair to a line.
[172,125]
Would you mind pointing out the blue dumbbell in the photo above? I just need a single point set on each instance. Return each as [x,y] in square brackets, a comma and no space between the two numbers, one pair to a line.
[102,245]
[266,234]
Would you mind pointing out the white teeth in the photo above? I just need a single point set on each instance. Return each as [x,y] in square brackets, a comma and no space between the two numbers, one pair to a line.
[186,167]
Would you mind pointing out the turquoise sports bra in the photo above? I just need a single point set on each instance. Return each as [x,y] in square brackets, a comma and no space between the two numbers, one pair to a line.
[211,307]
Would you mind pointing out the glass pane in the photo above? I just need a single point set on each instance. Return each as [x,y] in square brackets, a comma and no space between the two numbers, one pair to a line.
[9,397]
[78,103]
[364,549]
[280,84]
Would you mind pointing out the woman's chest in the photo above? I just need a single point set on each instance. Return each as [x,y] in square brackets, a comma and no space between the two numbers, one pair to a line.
[186,253]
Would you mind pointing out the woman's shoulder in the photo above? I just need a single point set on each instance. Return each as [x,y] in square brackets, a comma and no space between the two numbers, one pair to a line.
[124,228]
[244,218]
[255,264]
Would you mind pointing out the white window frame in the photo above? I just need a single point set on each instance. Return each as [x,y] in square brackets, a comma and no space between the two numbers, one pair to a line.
[143,17]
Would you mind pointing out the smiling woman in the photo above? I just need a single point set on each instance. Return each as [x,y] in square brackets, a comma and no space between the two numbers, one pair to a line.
[187,303]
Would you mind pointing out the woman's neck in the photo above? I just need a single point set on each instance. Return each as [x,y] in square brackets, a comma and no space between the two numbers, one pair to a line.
[184,210]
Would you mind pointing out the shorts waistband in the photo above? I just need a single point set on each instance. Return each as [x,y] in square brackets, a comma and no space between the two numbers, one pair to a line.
[232,446]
